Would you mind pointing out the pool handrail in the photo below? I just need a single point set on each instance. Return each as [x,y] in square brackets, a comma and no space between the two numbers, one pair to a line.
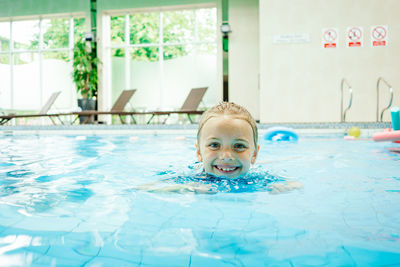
[377,98]
[343,113]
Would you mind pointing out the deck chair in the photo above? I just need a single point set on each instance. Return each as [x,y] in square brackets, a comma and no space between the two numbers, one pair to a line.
[189,107]
[42,113]
[117,108]
[49,103]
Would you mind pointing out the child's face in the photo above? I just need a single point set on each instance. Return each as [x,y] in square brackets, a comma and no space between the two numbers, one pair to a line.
[226,146]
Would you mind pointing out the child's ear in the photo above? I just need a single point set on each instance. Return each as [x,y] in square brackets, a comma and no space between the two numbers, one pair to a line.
[198,153]
[254,157]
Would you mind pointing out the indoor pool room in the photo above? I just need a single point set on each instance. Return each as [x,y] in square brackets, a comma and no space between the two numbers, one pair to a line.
[199,133]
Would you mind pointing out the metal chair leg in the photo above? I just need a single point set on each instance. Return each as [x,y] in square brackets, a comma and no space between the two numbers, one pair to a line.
[190,119]
[166,119]
[152,116]
[121,119]
[133,119]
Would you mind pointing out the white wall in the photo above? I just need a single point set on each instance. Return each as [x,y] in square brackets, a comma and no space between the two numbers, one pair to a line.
[180,76]
[56,77]
[301,82]
[5,87]
[244,55]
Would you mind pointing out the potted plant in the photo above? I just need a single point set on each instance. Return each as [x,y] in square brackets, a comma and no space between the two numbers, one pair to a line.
[85,74]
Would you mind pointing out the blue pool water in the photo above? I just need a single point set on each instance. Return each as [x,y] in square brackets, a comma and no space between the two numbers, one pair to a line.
[73,201]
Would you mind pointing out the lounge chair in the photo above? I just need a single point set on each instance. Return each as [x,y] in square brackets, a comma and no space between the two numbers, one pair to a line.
[189,107]
[42,113]
[117,108]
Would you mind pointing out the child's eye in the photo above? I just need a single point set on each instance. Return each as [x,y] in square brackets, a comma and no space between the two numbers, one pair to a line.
[213,145]
[239,147]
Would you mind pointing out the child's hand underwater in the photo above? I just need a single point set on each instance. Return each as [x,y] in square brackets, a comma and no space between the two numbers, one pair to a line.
[197,188]
[283,188]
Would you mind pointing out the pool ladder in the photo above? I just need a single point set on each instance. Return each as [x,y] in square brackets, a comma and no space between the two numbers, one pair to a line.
[380,79]
[343,113]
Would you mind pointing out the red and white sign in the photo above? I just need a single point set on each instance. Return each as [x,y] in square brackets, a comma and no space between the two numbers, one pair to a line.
[379,35]
[354,37]
[330,38]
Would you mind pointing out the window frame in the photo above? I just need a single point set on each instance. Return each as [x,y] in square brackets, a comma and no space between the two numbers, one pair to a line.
[40,50]
[127,46]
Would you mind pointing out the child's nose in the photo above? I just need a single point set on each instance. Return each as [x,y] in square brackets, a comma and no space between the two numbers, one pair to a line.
[226,154]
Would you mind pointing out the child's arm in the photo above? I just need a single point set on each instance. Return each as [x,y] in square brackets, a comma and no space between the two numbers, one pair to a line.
[193,187]
[283,188]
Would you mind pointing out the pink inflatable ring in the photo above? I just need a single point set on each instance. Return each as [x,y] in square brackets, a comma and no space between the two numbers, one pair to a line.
[386,136]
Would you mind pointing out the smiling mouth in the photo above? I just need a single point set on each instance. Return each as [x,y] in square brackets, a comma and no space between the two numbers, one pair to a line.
[226,169]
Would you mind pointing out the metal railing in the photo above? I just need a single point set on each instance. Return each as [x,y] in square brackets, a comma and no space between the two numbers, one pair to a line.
[343,113]
[377,98]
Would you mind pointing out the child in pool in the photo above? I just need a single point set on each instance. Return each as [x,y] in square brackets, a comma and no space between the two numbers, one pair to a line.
[227,140]
[227,146]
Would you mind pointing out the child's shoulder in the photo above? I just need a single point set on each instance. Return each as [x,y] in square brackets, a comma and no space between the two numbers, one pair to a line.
[195,179]
[255,180]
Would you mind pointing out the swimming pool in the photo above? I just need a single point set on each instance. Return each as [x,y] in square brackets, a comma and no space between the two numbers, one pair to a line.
[69,200]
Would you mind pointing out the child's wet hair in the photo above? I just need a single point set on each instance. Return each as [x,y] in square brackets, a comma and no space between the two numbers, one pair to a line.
[229,109]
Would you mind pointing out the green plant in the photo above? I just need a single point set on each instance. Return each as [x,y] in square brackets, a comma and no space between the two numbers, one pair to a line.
[85,69]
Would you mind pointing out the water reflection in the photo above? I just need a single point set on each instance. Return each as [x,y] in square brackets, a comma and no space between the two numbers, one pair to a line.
[39,173]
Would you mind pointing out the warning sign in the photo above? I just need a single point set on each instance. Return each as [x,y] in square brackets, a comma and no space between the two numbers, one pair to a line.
[379,35]
[354,37]
[329,38]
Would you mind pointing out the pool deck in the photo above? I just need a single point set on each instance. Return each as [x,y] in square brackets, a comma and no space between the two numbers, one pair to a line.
[367,128]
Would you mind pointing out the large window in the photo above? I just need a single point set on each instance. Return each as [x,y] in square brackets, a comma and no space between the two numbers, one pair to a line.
[163,54]
[35,62]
